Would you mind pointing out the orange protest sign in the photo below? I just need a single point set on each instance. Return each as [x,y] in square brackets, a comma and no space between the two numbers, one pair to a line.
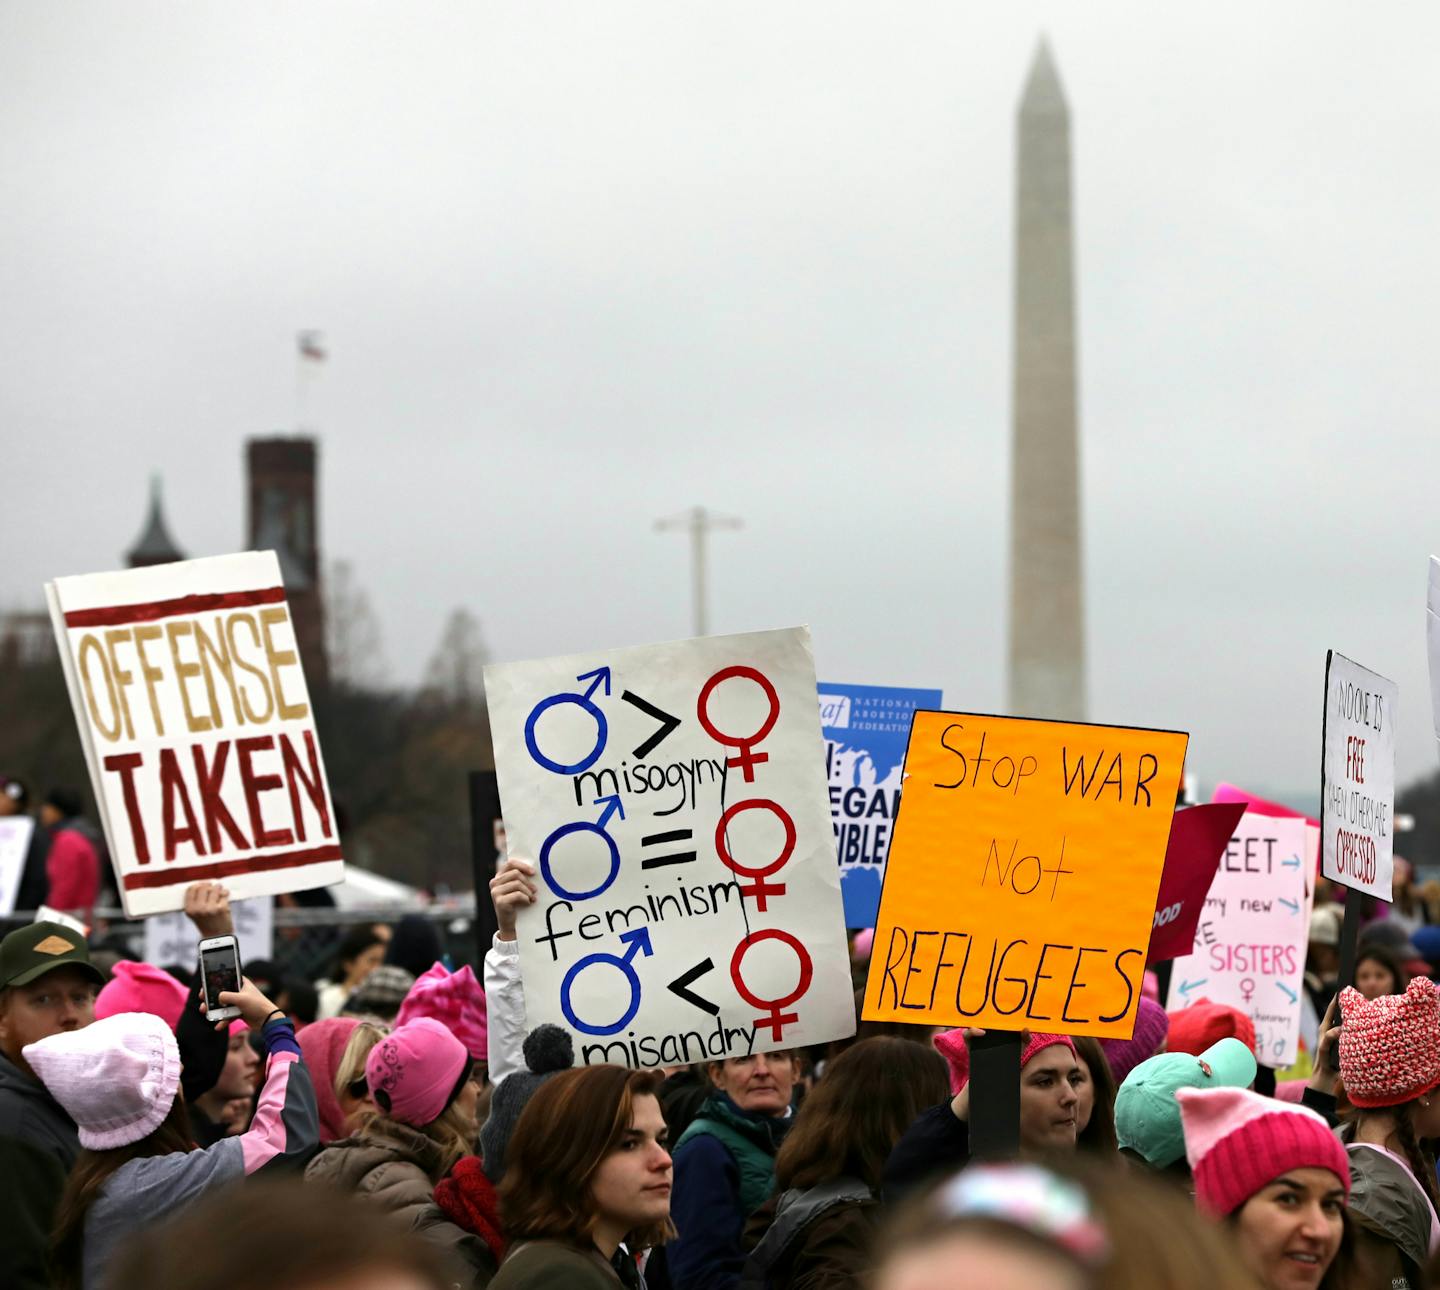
[1020,887]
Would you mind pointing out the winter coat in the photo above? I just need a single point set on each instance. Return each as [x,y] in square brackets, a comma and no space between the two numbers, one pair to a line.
[505,1011]
[724,1170]
[72,866]
[937,1143]
[554,1265]
[1395,1226]
[38,1145]
[283,1132]
[397,1167]
[813,1238]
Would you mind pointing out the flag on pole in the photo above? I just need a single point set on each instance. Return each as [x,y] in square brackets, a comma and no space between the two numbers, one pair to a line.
[312,346]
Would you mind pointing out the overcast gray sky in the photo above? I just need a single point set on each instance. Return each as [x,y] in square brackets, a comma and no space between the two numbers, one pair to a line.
[583,264]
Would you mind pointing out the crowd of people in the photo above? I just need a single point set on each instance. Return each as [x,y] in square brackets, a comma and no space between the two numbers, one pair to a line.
[396,1123]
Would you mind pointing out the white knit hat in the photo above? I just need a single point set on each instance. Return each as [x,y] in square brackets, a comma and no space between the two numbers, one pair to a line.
[117,1077]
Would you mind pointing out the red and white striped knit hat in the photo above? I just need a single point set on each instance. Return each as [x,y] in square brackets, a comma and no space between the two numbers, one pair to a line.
[1390,1047]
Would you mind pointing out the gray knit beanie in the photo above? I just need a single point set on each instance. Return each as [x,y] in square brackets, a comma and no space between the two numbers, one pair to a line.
[548,1051]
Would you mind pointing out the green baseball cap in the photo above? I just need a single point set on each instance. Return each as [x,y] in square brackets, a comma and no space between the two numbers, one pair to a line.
[1147,1112]
[30,952]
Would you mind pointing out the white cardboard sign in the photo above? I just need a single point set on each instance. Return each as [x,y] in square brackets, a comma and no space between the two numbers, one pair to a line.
[198,731]
[1250,942]
[673,799]
[173,938]
[1357,801]
[15,834]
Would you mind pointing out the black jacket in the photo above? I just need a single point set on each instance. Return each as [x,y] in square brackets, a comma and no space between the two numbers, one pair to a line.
[937,1143]
[38,1145]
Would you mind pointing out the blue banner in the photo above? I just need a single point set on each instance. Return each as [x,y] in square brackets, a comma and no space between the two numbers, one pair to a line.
[866,728]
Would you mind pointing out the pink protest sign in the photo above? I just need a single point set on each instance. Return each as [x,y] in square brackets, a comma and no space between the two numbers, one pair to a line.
[1260,806]
[1198,838]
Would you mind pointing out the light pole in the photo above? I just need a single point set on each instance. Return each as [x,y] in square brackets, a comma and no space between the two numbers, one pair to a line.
[698,522]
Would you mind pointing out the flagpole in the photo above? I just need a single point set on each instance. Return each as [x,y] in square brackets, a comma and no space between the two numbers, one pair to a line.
[309,349]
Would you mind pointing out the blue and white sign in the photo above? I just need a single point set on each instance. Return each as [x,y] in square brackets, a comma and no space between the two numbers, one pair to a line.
[866,728]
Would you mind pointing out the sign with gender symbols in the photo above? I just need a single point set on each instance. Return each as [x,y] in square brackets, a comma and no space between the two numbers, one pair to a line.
[673,801]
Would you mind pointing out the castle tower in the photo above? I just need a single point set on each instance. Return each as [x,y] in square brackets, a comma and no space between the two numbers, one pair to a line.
[1047,617]
[154,545]
[283,519]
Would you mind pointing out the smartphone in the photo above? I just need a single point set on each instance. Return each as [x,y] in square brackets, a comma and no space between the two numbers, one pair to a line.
[219,970]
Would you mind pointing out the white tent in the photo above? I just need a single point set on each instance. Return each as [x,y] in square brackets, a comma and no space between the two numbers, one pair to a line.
[363,889]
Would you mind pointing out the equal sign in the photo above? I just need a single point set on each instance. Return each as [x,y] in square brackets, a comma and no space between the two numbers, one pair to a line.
[661,839]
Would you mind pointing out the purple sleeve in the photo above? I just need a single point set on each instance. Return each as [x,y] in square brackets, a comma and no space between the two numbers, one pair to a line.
[286,1125]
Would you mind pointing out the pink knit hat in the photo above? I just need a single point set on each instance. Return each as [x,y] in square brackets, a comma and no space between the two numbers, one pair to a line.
[416,1071]
[116,1078]
[139,987]
[1152,1024]
[455,1000]
[951,1046]
[1238,1142]
[322,1045]
[1390,1047]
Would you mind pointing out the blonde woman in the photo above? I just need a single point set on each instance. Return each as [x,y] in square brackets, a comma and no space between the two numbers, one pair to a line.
[419,1078]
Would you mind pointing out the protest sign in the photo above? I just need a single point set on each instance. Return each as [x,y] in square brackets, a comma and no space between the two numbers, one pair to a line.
[1198,838]
[487,850]
[15,834]
[866,728]
[672,798]
[1249,949]
[1264,806]
[173,938]
[197,727]
[1357,788]
[1020,888]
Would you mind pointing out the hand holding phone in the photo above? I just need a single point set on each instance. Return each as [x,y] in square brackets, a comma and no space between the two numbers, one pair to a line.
[219,973]
[253,1007]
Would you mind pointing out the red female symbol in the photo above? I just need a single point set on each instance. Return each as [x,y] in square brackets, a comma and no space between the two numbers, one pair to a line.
[747,759]
[760,889]
[777,1019]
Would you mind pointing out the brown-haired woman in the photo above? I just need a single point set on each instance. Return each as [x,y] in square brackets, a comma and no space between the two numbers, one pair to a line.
[1094,1085]
[819,1230]
[587,1182]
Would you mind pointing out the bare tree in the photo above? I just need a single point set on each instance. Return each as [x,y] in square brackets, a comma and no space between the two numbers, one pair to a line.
[454,674]
[352,632]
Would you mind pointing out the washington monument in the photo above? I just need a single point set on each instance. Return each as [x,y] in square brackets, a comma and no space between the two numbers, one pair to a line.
[1047,618]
